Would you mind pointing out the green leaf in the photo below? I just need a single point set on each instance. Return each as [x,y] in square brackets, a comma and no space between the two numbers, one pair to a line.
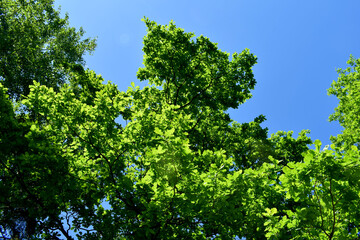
[317,144]
[158,131]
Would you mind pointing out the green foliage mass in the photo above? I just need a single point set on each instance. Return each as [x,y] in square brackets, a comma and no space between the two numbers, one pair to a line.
[179,168]
[347,90]
[37,44]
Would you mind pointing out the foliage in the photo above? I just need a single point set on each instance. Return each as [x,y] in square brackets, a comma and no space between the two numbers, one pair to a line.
[325,190]
[347,90]
[179,167]
[37,44]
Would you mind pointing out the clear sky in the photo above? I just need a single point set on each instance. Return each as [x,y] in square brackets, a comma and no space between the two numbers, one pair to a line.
[299,45]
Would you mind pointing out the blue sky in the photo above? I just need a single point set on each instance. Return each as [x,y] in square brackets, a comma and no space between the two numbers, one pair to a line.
[299,45]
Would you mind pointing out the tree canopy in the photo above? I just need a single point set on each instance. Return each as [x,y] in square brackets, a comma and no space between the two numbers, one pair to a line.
[36,44]
[179,167]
